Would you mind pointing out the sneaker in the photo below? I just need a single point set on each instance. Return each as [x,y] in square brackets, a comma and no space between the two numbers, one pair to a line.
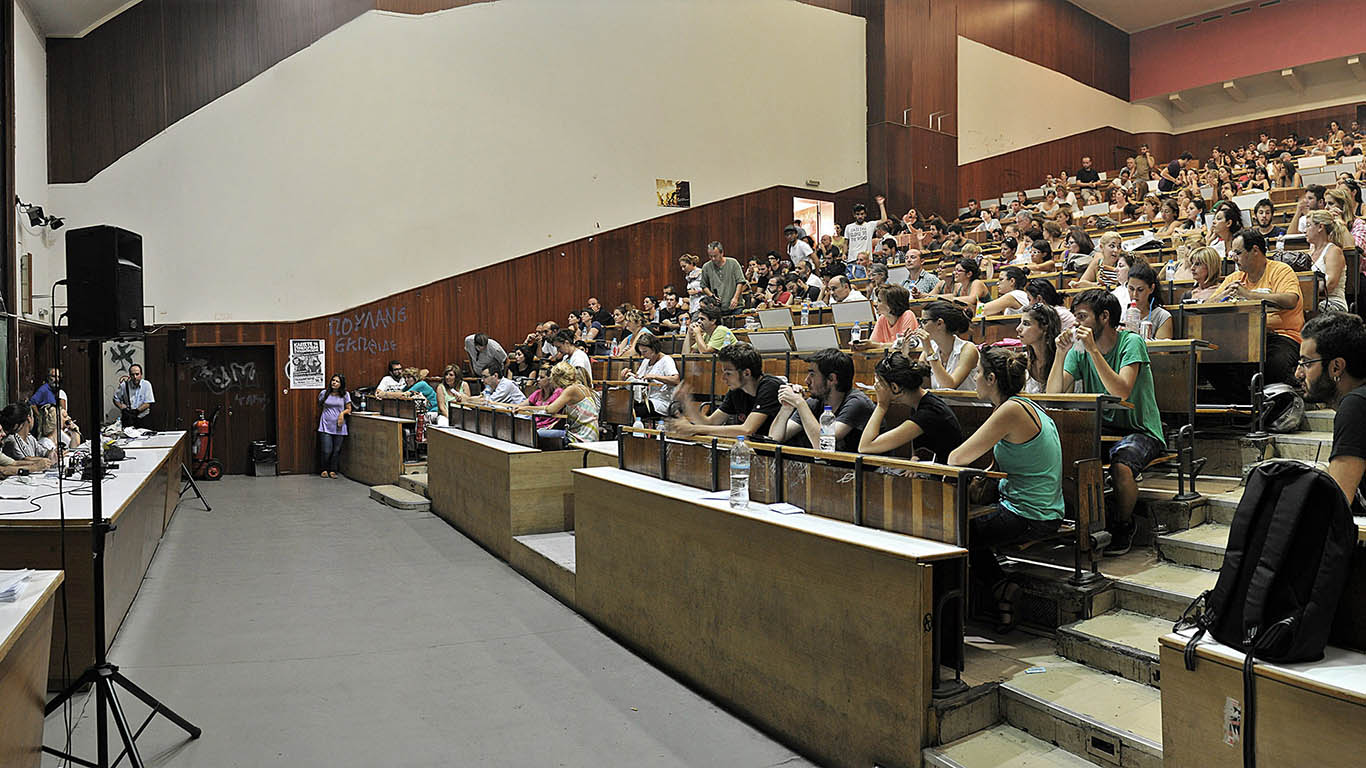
[1121,540]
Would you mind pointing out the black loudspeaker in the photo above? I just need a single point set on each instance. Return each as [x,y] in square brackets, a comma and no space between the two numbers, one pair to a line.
[176,350]
[103,283]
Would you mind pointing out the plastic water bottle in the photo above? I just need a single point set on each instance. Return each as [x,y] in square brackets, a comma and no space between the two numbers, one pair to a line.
[751,323]
[1132,317]
[1171,270]
[638,424]
[856,333]
[740,456]
[806,313]
[828,430]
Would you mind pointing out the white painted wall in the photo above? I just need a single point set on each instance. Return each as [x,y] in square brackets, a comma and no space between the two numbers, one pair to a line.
[30,158]
[399,150]
[1006,103]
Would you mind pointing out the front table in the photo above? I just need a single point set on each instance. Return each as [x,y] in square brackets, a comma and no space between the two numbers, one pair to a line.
[816,628]
[25,636]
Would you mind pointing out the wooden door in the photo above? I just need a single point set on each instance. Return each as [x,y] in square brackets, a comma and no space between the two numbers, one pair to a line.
[242,381]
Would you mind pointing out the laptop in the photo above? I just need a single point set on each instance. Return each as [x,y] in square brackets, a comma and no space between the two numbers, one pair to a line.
[775,318]
[850,312]
[898,275]
[769,341]
[814,338]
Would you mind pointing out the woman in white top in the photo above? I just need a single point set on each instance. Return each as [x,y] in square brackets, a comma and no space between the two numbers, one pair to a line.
[1038,331]
[1050,204]
[1142,286]
[660,376]
[1010,292]
[1102,271]
[1327,236]
[1042,291]
[953,360]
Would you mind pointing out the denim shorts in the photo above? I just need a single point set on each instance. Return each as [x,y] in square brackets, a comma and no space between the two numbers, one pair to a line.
[1137,450]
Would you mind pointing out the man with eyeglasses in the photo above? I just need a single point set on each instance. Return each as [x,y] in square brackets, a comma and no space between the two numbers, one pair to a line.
[1273,283]
[497,387]
[1332,369]
[393,382]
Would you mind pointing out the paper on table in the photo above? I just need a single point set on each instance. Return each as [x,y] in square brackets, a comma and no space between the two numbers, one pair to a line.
[12,583]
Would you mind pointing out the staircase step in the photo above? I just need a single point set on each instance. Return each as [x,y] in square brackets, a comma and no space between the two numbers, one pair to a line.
[1090,713]
[1001,746]
[548,559]
[399,498]
[1202,546]
[1222,506]
[1163,590]
[1320,420]
[1306,446]
[415,484]
[1122,642]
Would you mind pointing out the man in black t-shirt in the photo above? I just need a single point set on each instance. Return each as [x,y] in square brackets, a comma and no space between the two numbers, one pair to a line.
[749,406]
[1332,369]
[1170,177]
[1087,177]
[829,379]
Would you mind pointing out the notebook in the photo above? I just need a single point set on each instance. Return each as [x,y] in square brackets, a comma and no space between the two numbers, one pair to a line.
[850,312]
[769,341]
[775,318]
[813,338]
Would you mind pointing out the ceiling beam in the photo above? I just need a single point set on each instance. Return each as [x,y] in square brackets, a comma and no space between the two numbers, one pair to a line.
[1358,69]
[1291,79]
[1232,90]
[1179,103]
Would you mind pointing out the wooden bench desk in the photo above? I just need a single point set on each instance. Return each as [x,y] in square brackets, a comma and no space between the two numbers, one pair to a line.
[810,626]
[372,452]
[25,637]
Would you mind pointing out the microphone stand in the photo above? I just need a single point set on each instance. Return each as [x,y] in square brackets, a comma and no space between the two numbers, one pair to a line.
[102,674]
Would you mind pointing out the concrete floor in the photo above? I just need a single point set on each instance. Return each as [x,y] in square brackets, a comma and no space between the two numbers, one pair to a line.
[302,624]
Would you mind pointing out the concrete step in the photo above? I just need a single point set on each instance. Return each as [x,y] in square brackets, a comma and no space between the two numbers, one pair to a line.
[547,559]
[1200,547]
[1091,714]
[415,484]
[1121,642]
[1306,446]
[1163,590]
[1001,746]
[1320,420]
[398,498]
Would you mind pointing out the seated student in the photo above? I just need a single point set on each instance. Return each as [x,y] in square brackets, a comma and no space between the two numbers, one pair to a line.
[952,359]
[1102,271]
[967,286]
[1038,331]
[1206,266]
[1041,259]
[659,376]
[751,402]
[1041,291]
[521,363]
[50,393]
[545,392]
[840,290]
[1011,295]
[1327,237]
[566,344]
[20,444]
[931,428]
[1114,361]
[830,382]
[1025,446]
[708,334]
[1273,283]
[919,281]
[1143,290]
[576,401]
[895,317]
[394,381]
[415,382]
[1262,215]
[1332,370]
[592,333]
[451,389]
[10,466]
[498,388]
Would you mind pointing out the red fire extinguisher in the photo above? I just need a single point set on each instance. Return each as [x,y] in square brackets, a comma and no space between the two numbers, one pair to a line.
[206,467]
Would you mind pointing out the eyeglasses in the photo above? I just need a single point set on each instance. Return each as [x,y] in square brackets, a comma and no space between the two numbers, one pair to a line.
[1303,363]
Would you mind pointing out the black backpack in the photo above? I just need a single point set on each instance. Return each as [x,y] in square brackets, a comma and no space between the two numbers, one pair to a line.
[1288,556]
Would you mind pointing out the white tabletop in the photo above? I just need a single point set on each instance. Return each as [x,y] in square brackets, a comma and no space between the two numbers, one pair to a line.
[157,440]
[484,440]
[604,447]
[1341,670]
[899,544]
[15,616]
[120,485]
[378,417]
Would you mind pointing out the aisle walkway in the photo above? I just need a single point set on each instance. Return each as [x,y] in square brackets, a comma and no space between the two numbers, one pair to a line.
[302,624]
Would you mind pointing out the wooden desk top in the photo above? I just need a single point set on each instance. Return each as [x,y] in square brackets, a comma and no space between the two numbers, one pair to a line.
[120,486]
[895,544]
[603,447]
[378,417]
[15,617]
[1340,674]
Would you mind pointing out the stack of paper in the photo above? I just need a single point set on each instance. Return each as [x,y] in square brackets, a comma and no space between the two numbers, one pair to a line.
[12,583]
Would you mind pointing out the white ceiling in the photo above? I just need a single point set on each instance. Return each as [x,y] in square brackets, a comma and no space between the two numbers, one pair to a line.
[74,18]
[1134,16]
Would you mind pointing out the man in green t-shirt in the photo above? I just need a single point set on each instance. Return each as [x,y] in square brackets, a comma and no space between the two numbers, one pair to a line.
[723,278]
[1115,362]
[709,336]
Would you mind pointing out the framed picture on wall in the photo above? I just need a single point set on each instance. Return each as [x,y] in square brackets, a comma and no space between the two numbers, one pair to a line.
[673,194]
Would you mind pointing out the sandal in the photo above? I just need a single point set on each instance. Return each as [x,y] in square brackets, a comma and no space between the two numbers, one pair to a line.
[1005,606]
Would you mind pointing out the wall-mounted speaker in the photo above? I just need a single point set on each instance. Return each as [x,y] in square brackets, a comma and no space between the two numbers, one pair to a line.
[104,283]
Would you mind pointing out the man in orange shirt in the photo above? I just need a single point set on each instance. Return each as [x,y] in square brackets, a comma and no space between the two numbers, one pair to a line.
[1272,282]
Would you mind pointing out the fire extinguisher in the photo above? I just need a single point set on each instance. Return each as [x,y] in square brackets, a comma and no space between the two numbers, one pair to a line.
[201,436]
[206,467]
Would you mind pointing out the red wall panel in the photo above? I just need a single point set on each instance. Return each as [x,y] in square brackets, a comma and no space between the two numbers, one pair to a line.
[1166,60]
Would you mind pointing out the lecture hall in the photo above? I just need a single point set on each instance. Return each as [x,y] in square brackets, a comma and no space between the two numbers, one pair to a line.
[849,383]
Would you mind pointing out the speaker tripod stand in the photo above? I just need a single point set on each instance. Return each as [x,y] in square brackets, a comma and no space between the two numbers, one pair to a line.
[104,676]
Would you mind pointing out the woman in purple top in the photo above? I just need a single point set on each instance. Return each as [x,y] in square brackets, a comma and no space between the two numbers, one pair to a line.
[336,405]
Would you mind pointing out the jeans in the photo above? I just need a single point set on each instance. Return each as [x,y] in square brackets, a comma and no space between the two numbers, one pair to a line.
[998,528]
[551,439]
[330,447]
[1232,381]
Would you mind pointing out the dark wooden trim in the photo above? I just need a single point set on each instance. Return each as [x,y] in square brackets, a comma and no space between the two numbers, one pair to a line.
[10,288]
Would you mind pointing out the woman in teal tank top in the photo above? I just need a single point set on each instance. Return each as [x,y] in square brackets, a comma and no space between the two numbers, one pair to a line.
[1024,442]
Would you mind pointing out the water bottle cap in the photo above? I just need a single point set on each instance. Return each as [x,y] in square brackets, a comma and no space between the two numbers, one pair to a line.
[740,439]
[827,408]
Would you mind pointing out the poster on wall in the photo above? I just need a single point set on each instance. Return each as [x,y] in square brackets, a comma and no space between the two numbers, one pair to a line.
[673,194]
[118,356]
[307,368]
